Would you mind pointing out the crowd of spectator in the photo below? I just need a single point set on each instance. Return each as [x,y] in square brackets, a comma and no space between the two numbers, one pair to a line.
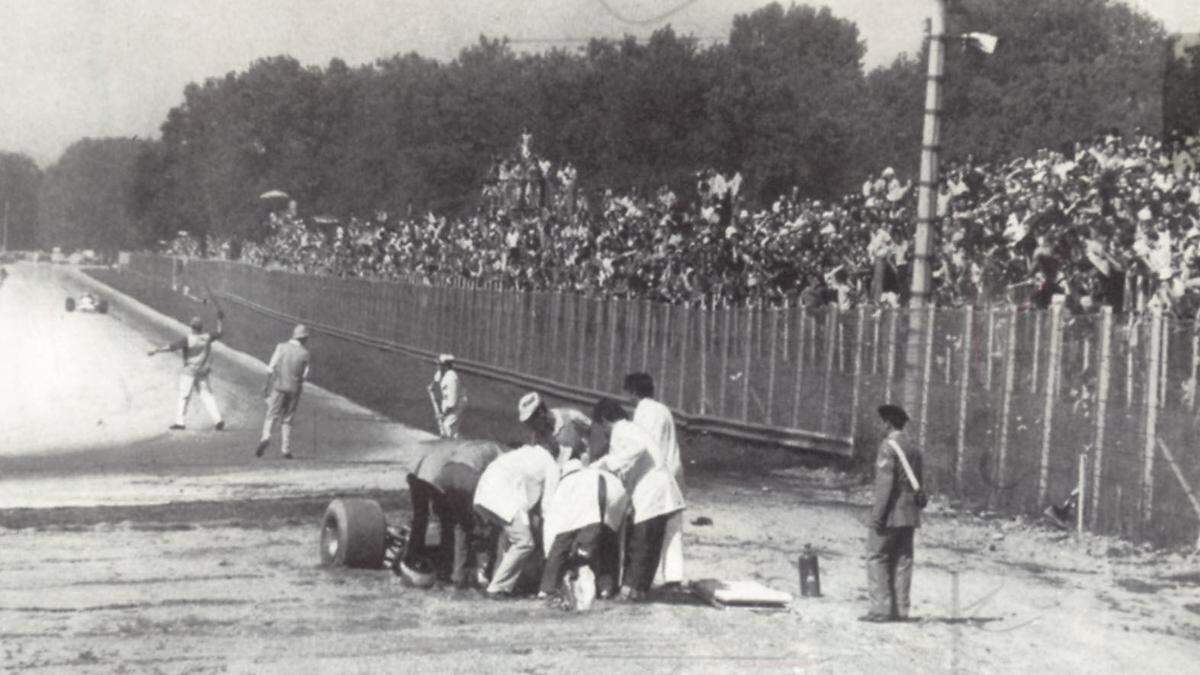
[1108,221]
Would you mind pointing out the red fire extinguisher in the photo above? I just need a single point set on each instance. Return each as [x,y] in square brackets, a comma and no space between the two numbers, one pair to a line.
[810,573]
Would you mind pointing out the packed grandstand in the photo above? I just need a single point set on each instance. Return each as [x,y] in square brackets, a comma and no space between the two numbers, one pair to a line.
[1111,221]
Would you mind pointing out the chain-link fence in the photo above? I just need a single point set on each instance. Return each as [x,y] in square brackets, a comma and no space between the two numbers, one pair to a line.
[1015,409]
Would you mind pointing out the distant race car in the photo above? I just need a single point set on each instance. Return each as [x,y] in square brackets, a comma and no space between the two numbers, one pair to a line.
[87,303]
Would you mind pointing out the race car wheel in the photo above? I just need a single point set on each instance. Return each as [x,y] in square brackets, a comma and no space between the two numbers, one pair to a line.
[70,304]
[353,534]
[102,307]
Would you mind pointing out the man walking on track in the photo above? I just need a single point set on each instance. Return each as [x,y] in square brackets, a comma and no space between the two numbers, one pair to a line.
[448,397]
[197,365]
[656,420]
[286,374]
[894,518]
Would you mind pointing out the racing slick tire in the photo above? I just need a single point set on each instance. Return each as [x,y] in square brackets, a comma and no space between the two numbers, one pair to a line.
[70,304]
[353,534]
[102,307]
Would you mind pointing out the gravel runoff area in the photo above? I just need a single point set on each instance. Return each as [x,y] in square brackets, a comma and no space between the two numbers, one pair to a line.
[127,549]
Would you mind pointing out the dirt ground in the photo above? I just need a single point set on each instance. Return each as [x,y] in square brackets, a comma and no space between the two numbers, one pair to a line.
[139,551]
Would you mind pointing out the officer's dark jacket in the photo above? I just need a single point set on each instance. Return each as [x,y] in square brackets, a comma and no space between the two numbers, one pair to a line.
[894,504]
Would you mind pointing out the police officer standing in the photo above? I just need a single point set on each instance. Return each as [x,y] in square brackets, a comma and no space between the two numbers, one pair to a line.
[894,518]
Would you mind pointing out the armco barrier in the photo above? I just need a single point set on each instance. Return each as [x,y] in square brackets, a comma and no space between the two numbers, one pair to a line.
[1013,401]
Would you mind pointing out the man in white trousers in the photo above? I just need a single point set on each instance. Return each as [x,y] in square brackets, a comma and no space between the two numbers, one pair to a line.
[197,366]
[448,395]
[657,421]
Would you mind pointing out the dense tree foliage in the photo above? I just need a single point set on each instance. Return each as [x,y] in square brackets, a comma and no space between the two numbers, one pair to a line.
[85,196]
[20,180]
[785,101]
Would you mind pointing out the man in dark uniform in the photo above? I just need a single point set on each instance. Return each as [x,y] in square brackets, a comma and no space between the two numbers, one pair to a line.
[894,518]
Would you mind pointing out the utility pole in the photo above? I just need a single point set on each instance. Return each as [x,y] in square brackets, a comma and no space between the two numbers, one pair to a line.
[5,245]
[926,211]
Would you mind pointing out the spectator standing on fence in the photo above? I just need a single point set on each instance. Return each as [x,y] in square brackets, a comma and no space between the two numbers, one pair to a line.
[895,515]
[286,374]
[657,421]
[449,396]
[197,366]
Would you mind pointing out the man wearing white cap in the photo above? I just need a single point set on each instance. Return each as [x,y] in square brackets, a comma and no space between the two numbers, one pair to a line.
[197,364]
[570,428]
[449,397]
[509,492]
[286,374]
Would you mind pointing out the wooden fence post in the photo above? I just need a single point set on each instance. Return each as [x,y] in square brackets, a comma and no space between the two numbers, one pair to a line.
[964,389]
[665,332]
[681,393]
[927,376]
[646,332]
[613,306]
[1103,359]
[891,355]
[727,311]
[1195,364]
[1037,350]
[991,347]
[1010,353]
[1153,370]
[799,380]
[831,321]
[747,333]
[597,322]
[773,343]
[1131,341]
[705,313]
[877,316]
[856,390]
[1052,363]
[1165,359]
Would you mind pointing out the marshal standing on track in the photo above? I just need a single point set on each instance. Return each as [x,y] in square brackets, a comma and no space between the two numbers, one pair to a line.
[197,366]
[286,374]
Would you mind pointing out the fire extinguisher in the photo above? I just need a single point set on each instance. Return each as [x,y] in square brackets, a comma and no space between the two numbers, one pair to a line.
[810,573]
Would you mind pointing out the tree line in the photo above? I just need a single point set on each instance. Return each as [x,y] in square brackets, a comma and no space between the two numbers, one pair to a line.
[785,100]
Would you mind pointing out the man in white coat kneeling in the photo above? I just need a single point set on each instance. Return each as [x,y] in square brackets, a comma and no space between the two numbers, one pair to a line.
[509,493]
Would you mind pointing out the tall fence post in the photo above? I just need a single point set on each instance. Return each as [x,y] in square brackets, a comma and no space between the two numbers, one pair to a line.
[1153,370]
[665,333]
[1037,351]
[769,415]
[927,375]
[596,332]
[725,330]
[1131,341]
[856,390]
[1190,395]
[647,329]
[681,395]
[831,321]
[991,347]
[891,355]
[877,316]
[1010,366]
[1104,360]
[799,379]
[964,388]
[705,313]
[613,306]
[747,333]
[1053,361]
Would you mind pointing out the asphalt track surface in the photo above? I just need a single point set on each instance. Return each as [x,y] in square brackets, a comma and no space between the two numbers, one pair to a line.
[83,400]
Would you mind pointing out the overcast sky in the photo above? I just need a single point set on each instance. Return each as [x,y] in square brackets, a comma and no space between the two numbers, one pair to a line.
[75,68]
